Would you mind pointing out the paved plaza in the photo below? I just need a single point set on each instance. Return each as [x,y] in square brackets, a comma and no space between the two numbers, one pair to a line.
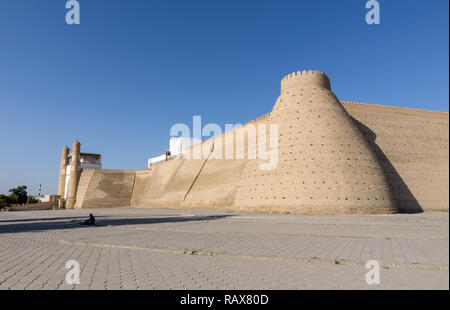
[210,249]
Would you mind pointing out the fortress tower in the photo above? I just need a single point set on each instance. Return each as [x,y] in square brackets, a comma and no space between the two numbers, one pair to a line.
[305,79]
[74,175]
[62,171]
[325,164]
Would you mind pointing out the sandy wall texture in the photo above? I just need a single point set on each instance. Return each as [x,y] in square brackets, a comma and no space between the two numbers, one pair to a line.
[412,148]
[105,188]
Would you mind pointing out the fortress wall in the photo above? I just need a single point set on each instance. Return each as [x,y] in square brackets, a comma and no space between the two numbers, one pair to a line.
[209,181]
[105,188]
[187,182]
[413,146]
[217,183]
[165,184]
[141,181]
[83,187]
[325,164]
[334,157]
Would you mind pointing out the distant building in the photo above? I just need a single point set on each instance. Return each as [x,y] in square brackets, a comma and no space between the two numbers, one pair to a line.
[177,148]
[90,161]
[158,159]
[179,145]
[46,198]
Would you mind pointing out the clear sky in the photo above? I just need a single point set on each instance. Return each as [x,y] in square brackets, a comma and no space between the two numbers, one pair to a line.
[119,81]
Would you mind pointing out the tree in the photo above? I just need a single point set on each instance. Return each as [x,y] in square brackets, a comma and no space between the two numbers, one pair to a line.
[32,200]
[4,201]
[18,195]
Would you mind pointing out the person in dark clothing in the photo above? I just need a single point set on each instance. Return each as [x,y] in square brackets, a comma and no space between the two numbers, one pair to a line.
[90,221]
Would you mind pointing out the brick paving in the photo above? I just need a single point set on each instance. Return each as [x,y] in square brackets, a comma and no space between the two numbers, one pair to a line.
[210,249]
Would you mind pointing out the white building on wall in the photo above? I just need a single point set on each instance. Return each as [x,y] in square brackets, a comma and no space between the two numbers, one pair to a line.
[158,159]
[177,147]
[90,161]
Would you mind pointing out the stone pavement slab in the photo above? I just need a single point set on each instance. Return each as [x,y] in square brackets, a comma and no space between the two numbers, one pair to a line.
[210,249]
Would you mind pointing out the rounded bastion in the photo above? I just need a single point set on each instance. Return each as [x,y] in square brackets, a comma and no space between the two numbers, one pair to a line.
[305,79]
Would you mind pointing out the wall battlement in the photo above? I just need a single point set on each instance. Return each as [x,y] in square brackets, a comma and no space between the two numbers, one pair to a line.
[305,79]
[366,105]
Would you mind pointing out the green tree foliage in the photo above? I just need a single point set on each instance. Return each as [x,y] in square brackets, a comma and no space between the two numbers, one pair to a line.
[4,201]
[32,200]
[17,196]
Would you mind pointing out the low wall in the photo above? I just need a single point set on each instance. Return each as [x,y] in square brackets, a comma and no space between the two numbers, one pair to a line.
[105,188]
[50,205]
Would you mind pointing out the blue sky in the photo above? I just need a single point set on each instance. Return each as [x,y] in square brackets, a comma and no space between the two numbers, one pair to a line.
[118,81]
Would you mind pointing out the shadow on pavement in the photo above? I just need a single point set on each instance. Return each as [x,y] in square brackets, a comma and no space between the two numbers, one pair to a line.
[46,219]
[34,225]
